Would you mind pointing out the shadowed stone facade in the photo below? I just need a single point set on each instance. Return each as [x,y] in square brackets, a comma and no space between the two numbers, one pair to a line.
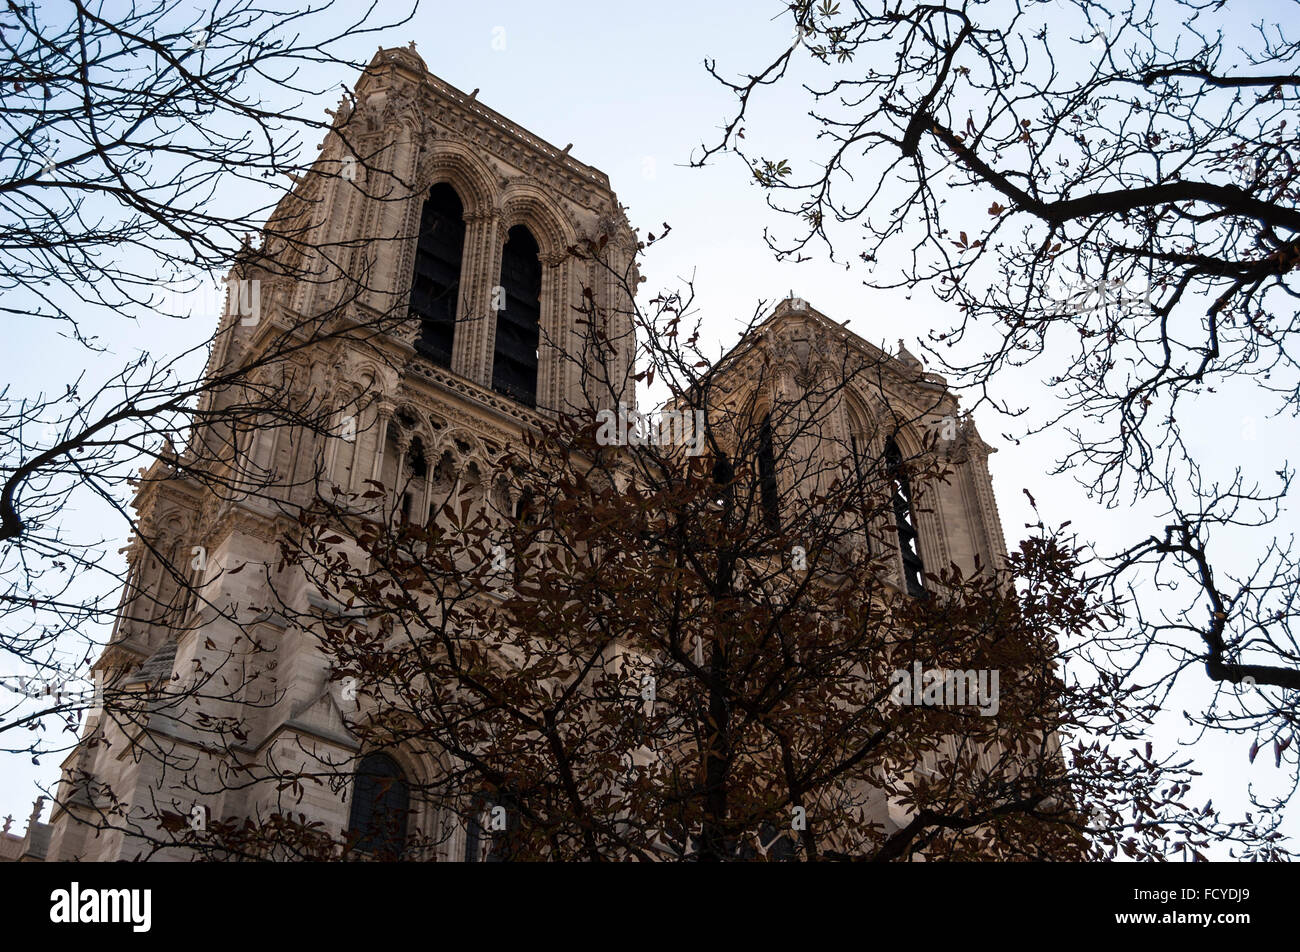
[409,132]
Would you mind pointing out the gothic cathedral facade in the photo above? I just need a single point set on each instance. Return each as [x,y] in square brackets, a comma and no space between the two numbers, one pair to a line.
[442,205]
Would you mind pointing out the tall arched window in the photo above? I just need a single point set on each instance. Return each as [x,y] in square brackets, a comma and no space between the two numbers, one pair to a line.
[901,496]
[514,362]
[436,284]
[381,802]
[768,494]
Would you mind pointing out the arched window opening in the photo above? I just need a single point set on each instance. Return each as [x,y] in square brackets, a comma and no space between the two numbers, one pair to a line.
[436,284]
[514,361]
[901,497]
[381,801]
[769,496]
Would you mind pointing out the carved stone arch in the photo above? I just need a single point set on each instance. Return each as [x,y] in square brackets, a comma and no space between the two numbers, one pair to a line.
[858,416]
[907,437]
[452,161]
[526,203]
[867,414]
[172,528]
[410,424]
[447,159]
[762,441]
[751,410]
[473,476]
[165,568]
[420,158]
[463,443]
[445,449]
[349,392]
[458,458]
[366,373]
[406,461]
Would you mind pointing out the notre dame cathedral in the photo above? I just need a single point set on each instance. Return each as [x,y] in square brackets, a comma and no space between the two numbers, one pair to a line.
[487,209]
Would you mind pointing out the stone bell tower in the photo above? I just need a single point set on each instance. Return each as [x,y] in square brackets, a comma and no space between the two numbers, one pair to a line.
[426,206]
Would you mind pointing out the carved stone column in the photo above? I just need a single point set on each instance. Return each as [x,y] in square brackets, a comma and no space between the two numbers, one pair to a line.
[475,319]
[384,413]
[552,371]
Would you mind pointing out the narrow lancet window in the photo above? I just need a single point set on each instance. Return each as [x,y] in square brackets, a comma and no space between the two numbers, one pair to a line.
[436,284]
[901,496]
[514,361]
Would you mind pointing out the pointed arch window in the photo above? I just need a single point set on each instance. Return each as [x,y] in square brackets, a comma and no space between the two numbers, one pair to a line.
[435,286]
[900,492]
[514,361]
[381,805]
[769,497]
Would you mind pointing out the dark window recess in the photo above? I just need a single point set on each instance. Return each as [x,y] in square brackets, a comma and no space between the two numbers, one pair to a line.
[526,509]
[514,362]
[483,843]
[723,474]
[381,802]
[415,459]
[436,284]
[767,476]
[901,495]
